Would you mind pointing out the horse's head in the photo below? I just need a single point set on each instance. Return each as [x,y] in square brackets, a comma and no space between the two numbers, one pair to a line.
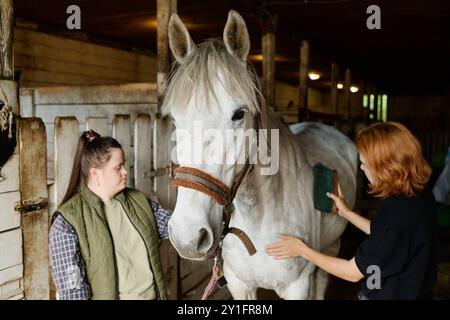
[213,98]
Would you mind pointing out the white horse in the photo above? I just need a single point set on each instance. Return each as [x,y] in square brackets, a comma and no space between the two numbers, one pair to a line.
[214,84]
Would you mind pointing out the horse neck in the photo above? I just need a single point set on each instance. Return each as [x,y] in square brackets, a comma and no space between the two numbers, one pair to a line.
[292,162]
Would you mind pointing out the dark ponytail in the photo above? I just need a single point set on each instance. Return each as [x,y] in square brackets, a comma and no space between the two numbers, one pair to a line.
[93,151]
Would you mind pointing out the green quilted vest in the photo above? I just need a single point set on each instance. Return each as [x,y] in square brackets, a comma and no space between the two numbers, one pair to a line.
[84,211]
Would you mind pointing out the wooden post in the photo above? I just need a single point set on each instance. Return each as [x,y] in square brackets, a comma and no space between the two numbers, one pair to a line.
[347,93]
[303,78]
[11,241]
[35,223]
[6,40]
[334,89]
[268,61]
[163,128]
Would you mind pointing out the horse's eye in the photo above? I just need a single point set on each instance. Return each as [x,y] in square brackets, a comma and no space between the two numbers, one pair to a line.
[238,115]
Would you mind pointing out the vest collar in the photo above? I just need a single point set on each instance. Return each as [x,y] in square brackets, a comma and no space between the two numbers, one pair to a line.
[90,197]
[95,201]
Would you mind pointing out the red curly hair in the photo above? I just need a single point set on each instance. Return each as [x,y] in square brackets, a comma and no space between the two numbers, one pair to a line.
[394,157]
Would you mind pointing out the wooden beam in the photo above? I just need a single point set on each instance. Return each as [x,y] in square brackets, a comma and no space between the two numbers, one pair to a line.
[268,27]
[334,89]
[35,224]
[303,78]
[347,93]
[163,129]
[164,9]
[6,40]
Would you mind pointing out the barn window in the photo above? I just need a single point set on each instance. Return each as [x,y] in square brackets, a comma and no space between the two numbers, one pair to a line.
[384,107]
[379,107]
[365,101]
[372,101]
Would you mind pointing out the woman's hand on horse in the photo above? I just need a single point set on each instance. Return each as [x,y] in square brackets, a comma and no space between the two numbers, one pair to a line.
[340,202]
[287,247]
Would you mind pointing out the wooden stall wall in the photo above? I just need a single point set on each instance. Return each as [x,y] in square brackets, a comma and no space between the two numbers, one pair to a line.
[11,244]
[48,60]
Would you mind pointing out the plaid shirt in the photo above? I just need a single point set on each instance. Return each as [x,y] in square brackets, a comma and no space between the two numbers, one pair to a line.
[68,268]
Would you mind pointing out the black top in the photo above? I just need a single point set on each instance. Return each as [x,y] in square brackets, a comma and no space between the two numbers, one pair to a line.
[403,244]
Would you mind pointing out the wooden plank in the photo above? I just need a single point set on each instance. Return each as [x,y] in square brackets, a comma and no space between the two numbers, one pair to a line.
[81,47]
[170,268]
[161,152]
[11,248]
[66,79]
[131,93]
[334,89]
[143,154]
[303,76]
[194,286]
[66,140]
[122,133]
[10,274]
[10,286]
[199,274]
[6,39]
[35,224]
[29,62]
[31,55]
[347,93]
[268,62]
[10,172]
[9,219]
[13,295]
[97,124]
[27,104]
[221,294]
[19,296]
[48,112]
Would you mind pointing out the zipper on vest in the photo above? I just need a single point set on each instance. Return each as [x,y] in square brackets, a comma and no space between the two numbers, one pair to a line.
[116,271]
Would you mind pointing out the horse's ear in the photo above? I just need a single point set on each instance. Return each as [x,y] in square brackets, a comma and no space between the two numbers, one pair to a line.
[180,41]
[235,36]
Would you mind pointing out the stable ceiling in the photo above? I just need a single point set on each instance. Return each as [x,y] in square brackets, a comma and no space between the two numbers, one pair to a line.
[410,55]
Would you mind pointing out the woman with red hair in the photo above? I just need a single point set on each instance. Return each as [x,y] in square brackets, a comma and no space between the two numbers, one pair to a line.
[398,258]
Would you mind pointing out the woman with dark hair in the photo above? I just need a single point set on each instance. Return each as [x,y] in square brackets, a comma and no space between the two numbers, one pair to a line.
[103,241]
[402,238]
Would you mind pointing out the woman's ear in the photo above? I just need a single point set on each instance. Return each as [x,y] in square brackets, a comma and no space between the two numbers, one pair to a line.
[93,176]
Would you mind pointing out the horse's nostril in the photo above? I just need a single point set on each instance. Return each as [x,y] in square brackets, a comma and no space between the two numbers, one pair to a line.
[204,240]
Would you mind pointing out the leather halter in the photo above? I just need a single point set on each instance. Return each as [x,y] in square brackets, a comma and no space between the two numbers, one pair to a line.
[201,181]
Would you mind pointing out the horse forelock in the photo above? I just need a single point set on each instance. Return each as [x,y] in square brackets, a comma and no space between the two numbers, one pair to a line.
[197,76]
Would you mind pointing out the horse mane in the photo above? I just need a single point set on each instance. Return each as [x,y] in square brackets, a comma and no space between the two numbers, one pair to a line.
[199,71]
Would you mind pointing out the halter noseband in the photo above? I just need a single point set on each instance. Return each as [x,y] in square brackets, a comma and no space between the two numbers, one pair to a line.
[201,181]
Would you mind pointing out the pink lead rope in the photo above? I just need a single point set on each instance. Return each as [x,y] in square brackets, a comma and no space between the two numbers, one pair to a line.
[212,283]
